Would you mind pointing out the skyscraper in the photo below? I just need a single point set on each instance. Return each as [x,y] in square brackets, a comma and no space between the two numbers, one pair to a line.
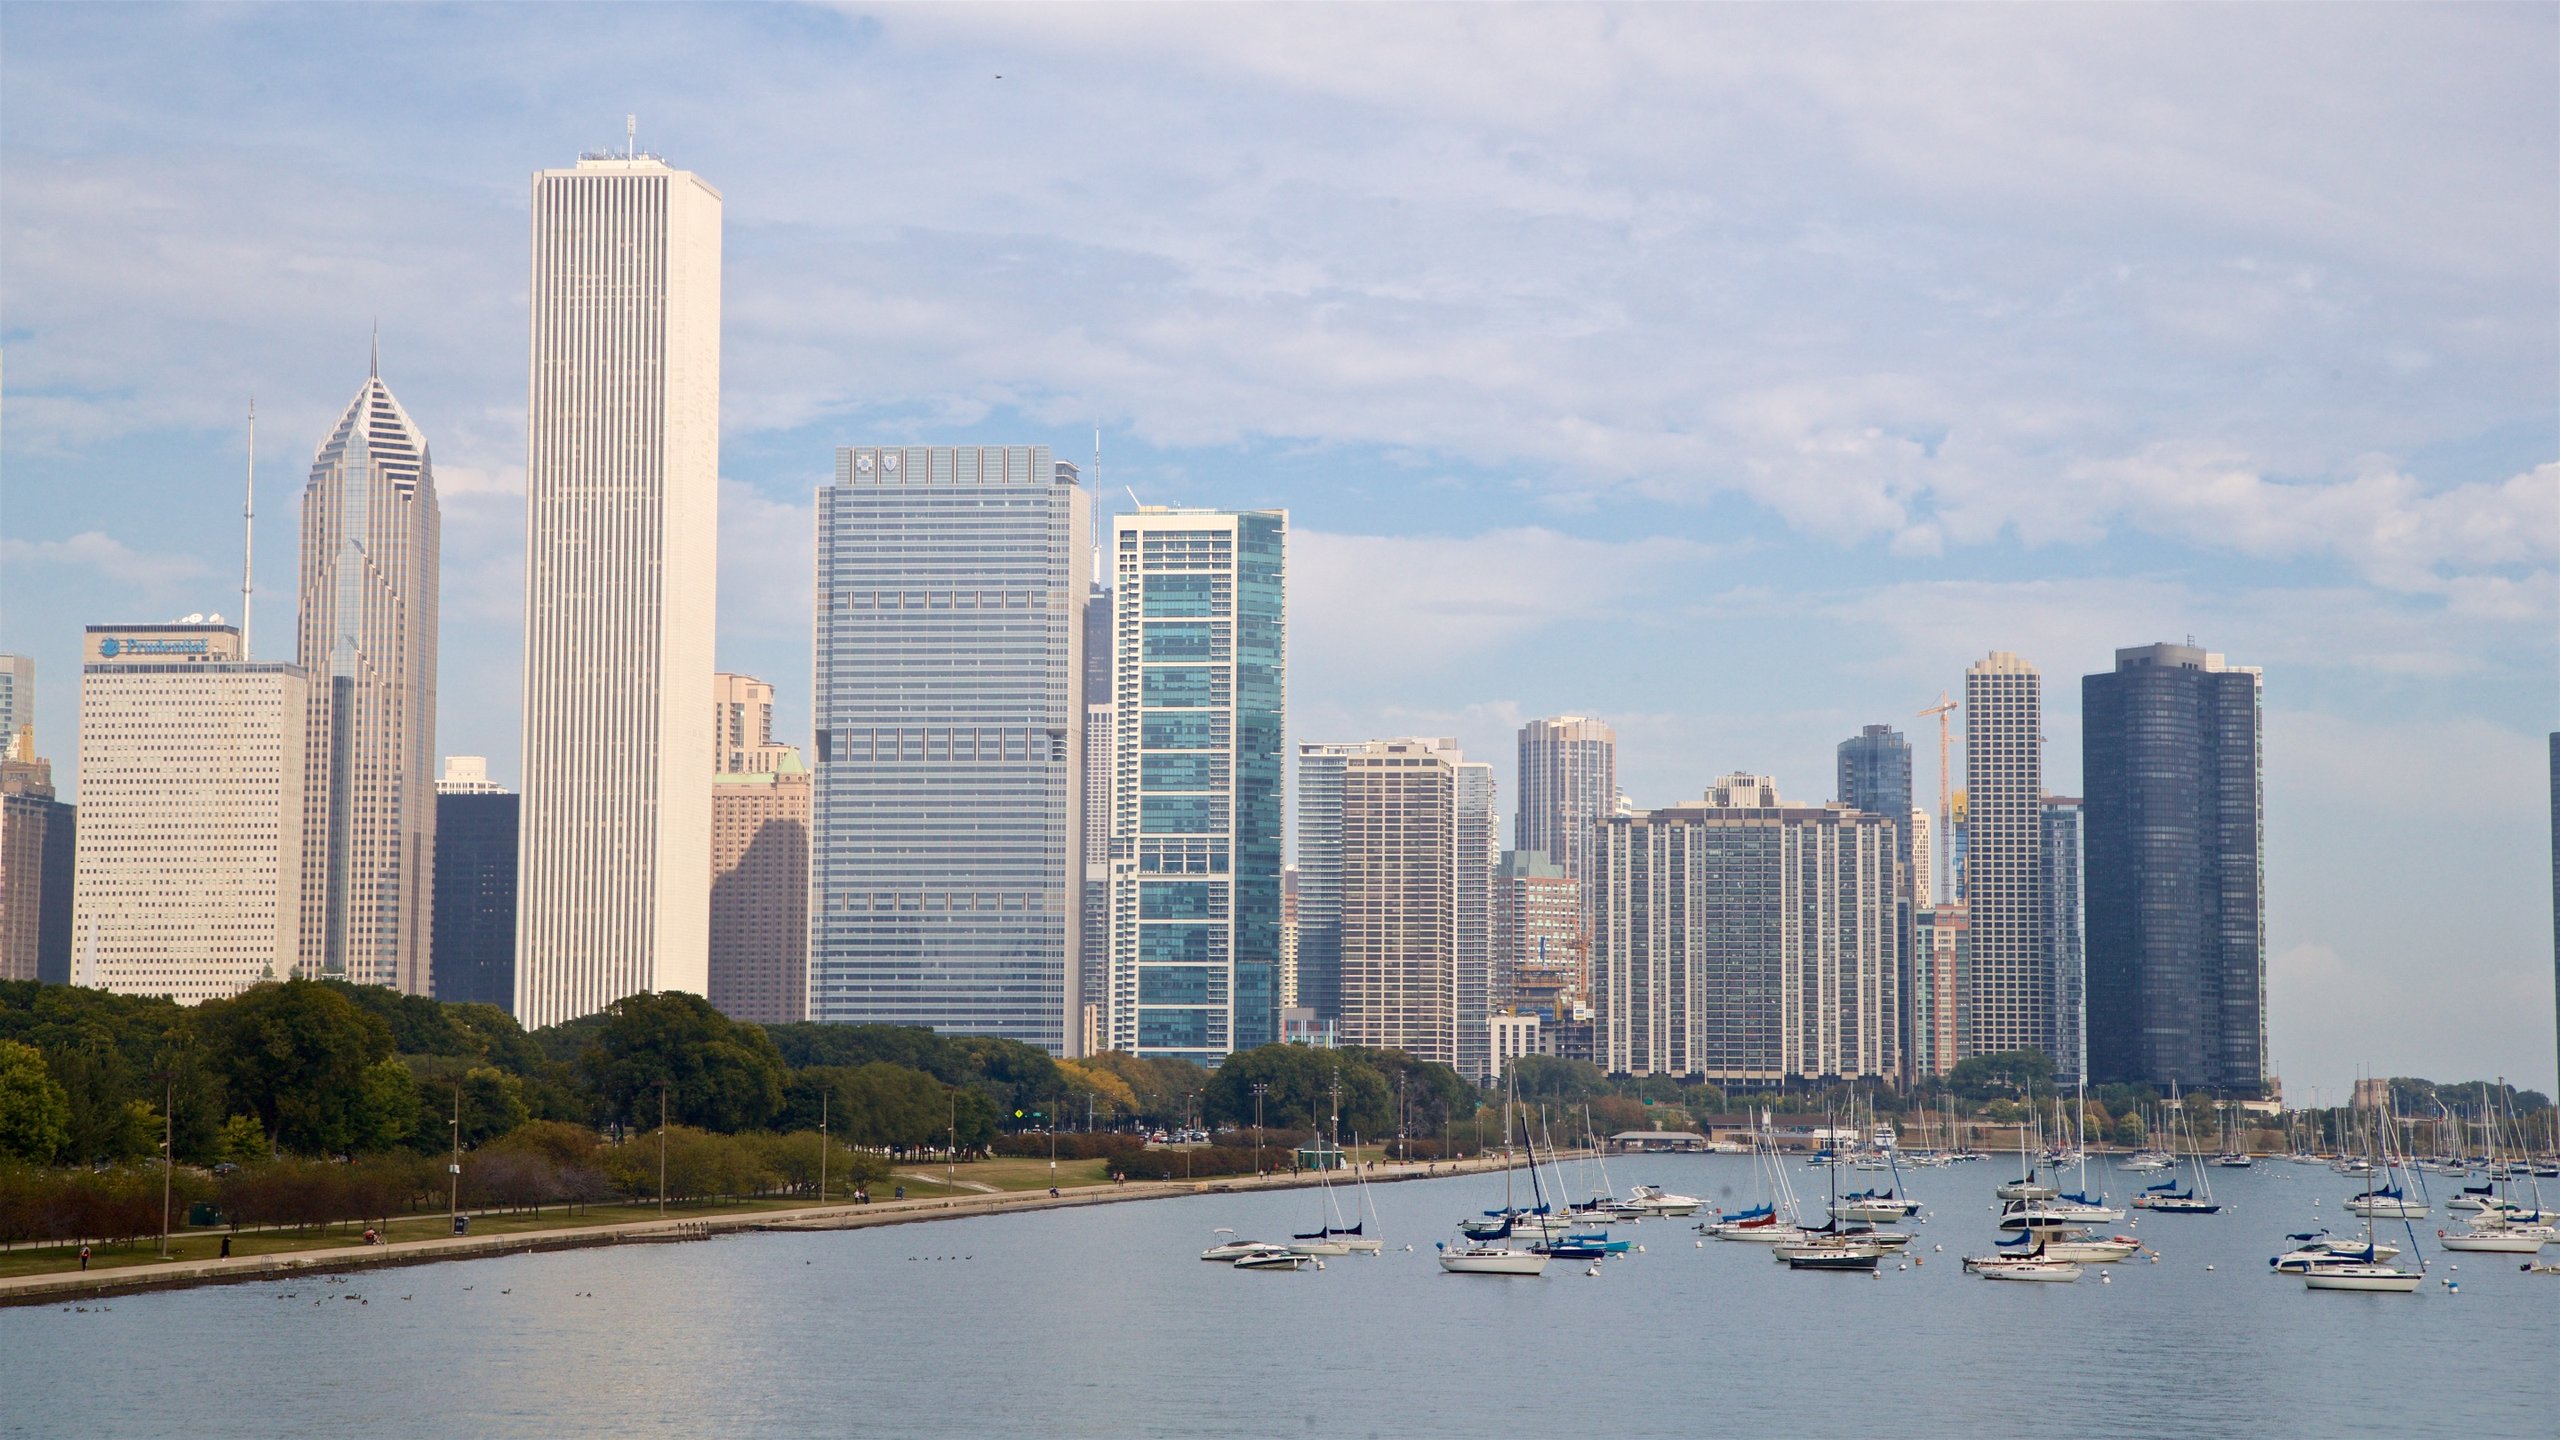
[1540,946]
[760,893]
[192,766]
[1399,900]
[2177,871]
[1875,776]
[474,956]
[621,539]
[1568,785]
[1199,695]
[946,858]
[1940,953]
[1747,941]
[2008,1004]
[17,696]
[1093,873]
[1319,875]
[2065,950]
[367,641]
[742,728]
[38,841]
[1479,848]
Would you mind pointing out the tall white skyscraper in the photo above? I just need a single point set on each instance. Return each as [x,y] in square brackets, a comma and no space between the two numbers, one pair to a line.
[367,642]
[947,860]
[191,822]
[2009,991]
[621,539]
[1479,850]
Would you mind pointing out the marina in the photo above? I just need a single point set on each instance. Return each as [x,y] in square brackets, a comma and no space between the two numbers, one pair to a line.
[1102,1320]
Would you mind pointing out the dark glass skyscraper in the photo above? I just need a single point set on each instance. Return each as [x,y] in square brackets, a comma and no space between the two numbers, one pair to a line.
[473,955]
[2176,871]
[1875,776]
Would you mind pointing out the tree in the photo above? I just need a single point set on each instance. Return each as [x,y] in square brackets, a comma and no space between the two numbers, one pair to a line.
[2010,1074]
[1301,1080]
[1095,1091]
[35,1116]
[295,1055]
[242,1141]
[391,1112]
[719,1074]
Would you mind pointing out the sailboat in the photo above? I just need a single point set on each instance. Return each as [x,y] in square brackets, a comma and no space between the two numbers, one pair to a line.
[1331,1236]
[2504,1226]
[1773,1220]
[1831,1249]
[2367,1273]
[2167,1198]
[1474,1253]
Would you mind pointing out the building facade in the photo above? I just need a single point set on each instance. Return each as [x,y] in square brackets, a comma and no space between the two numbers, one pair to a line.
[17,696]
[38,840]
[1319,875]
[742,728]
[1093,821]
[1749,942]
[1541,947]
[2171,757]
[2065,928]
[1199,696]
[622,473]
[477,824]
[1940,952]
[1399,898]
[1479,850]
[947,857]
[1875,775]
[1568,785]
[366,638]
[2008,1004]
[1512,1037]
[760,893]
[192,766]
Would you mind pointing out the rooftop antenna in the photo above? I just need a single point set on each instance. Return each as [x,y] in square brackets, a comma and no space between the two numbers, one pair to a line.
[248,526]
[377,347]
[630,137]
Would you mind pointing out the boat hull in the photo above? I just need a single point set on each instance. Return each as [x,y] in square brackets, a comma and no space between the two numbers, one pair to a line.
[1504,1262]
[2376,1278]
[2495,1242]
[2049,1271]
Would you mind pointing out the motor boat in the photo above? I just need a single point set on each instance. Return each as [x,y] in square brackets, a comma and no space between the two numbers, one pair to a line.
[2386,1203]
[2316,1248]
[1271,1257]
[1654,1200]
[1231,1248]
[2509,1240]
[1873,1205]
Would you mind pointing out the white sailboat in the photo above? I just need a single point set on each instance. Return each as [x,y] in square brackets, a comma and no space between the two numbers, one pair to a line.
[2368,1274]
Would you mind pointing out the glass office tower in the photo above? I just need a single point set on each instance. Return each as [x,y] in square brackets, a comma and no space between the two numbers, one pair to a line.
[1199,659]
[944,856]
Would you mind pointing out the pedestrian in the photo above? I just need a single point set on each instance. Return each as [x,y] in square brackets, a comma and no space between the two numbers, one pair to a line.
[226,1247]
[902,1192]
[84,1257]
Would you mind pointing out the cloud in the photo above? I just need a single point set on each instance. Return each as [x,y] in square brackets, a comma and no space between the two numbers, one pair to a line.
[109,558]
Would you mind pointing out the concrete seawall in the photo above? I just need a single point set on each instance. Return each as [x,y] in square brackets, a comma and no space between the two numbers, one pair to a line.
[71,1286]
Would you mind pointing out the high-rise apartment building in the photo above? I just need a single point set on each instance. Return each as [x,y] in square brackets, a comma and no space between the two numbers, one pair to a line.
[946,858]
[192,767]
[1939,957]
[367,641]
[1875,776]
[1318,873]
[1541,948]
[1749,942]
[760,893]
[2065,951]
[2177,871]
[1288,997]
[1479,849]
[17,696]
[38,840]
[2008,1004]
[1093,909]
[1399,899]
[474,955]
[1199,695]
[622,467]
[742,728]
[1568,785]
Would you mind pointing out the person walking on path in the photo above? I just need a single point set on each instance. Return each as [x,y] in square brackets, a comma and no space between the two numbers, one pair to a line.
[84,1257]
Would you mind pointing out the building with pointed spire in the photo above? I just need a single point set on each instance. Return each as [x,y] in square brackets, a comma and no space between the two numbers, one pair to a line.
[368,584]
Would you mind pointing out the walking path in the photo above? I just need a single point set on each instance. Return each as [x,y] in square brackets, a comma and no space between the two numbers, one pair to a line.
[66,1286]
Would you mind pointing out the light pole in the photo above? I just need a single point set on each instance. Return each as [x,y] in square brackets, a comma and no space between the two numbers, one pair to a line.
[1260,1089]
[453,1168]
[822,1146]
[662,1149]
[168,1156]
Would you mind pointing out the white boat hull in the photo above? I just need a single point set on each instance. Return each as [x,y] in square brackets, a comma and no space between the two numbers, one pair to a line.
[2388,1209]
[2102,1252]
[1319,1247]
[2053,1271]
[1759,1234]
[2495,1242]
[2364,1277]
[1493,1262]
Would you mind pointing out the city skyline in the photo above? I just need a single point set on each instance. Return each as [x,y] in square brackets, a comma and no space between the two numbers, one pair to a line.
[2385,560]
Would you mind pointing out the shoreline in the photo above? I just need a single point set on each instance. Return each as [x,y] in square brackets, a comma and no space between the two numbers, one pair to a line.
[71,1285]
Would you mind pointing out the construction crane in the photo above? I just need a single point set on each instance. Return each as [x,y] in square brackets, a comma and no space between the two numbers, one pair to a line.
[1945,839]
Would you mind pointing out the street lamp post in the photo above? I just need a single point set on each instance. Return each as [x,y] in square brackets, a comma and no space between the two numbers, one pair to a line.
[822,1146]
[662,1149]
[1260,1089]
[168,1157]
[453,1168]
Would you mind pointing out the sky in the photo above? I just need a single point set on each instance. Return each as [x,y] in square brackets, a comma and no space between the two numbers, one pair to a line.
[1735,374]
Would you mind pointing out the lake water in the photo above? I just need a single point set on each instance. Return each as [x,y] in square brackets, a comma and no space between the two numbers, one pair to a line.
[1102,1322]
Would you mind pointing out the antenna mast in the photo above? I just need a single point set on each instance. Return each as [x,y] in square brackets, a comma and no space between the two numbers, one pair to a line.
[630,137]
[1942,847]
[248,527]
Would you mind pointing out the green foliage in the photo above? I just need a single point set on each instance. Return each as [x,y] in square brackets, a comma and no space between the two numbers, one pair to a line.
[699,1165]
[875,1104]
[1167,1091]
[296,1056]
[1301,1080]
[2011,1074]
[35,1114]
[242,1141]
[717,1074]
[1014,1076]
